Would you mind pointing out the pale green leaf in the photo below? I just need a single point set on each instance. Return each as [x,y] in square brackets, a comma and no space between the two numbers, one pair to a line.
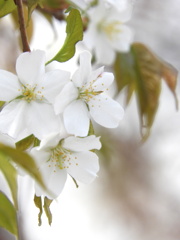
[47,203]
[25,143]
[74,30]
[10,174]
[6,7]
[8,219]
[38,203]
[2,103]
[23,160]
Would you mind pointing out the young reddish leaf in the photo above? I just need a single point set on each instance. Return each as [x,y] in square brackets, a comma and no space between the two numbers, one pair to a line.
[141,71]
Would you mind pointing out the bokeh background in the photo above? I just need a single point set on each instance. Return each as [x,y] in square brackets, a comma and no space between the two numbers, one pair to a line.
[137,193]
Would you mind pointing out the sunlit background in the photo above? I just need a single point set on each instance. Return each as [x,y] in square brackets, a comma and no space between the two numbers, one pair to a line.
[137,193]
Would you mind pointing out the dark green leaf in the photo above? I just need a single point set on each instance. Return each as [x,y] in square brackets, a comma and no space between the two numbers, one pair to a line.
[23,160]
[25,143]
[8,219]
[11,176]
[141,71]
[74,30]
[6,7]
[47,203]
[38,203]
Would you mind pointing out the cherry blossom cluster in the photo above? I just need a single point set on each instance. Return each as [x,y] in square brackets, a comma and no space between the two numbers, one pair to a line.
[107,32]
[58,109]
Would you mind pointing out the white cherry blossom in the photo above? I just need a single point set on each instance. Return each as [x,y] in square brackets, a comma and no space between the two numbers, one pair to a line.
[56,157]
[107,33]
[29,96]
[84,98]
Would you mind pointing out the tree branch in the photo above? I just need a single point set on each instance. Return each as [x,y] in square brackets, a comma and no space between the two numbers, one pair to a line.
[25,44]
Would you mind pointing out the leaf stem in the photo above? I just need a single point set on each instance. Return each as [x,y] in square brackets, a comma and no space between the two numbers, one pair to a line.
[22,26]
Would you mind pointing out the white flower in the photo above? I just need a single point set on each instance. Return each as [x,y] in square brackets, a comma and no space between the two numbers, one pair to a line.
[106,33]
[29,97]
[84,97]
[57,157]
[7,140]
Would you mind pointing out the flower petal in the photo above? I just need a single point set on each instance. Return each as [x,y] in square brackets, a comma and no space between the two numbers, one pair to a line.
[104,52]
[9,86]
[85,166]
[81,144]
[13,118]
[80,76]
[93,77]
[76,118]
[103,81]
[53,83]
[105,111]
[54,179]
[41,119]
[7,140]
[66,96]
[30,67]
[122,40]
[50,141]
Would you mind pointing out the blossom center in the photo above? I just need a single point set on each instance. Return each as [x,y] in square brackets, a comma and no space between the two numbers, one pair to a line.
[30,93]
[62,158]
[88,93]
[110,29]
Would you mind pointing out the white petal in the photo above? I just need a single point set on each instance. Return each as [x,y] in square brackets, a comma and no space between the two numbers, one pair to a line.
[66,96]
[121,15]
[81,144]
[53,83]
[30,67]
[9,86]
[103,81]
[13,118]
[40,157]
[84,166]
[106,111]
[54,179]
[80,76]
[105,54]
[41,119]
[93,77]
[122,41]
[50,141]
[76,118]
[90,35]
[7,140]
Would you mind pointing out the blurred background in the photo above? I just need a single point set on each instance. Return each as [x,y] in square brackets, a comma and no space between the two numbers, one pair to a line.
[137,193]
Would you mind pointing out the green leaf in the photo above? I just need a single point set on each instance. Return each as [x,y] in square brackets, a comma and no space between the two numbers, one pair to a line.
[23,160]
[2,103]
[38,203]
[8,218]
[25,143]
[6,7]
[74,30]
[140,71]
[32,4]
[10,174]
[47,203]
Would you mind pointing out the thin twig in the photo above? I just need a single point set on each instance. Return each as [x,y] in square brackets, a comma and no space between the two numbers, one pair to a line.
[22,26]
